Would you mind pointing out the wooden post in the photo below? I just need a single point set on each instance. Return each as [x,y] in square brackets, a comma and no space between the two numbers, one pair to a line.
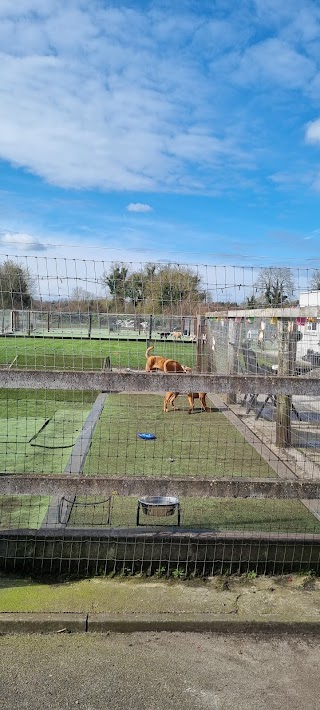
[287,346]
[234,331]
[29,322]
[201,342]
[210,349]
[48,321]
[90,325]
[150,330]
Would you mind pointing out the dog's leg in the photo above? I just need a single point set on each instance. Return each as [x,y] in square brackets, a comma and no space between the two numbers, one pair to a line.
[203,402]
[173,397]
[165,403]
[191,402]
[169,399]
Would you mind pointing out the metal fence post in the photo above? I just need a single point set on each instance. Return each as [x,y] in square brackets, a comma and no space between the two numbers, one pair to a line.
[286,363]
[234,329]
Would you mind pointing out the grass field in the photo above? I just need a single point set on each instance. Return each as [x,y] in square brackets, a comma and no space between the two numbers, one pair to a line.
[77,354]
[219,514]
[209,514]
[26,447]
[22,511]
[200,444]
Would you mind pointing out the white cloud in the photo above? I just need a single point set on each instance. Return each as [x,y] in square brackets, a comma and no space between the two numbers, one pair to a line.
[144,96]
[25,242]
[139,207]
[88,98]
[312,133]
[274,60]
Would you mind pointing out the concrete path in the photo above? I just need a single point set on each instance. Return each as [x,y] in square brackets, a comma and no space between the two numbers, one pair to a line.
[159,671]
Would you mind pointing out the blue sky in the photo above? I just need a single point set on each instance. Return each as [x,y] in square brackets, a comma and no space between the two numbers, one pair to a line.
[177,130]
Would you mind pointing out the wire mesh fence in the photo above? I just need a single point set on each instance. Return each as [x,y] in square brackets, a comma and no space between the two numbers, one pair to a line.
[114,324]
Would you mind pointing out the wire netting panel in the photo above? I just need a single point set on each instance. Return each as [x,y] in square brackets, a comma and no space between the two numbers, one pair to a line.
[96,316]
[186,556]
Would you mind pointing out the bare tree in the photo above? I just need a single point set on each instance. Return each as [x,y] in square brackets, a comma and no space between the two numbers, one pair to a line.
[315,280]
[275,285]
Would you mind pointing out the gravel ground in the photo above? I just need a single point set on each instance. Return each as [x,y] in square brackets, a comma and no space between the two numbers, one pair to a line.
[164,671]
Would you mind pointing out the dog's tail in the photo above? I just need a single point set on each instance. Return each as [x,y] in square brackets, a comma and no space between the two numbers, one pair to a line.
[148,350]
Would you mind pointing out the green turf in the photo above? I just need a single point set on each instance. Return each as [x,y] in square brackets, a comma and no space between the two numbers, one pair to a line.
[196,514]
[62,430]
[22,511]
[20,430]
[40,353]
[22,405]
[200,444]
[199,513]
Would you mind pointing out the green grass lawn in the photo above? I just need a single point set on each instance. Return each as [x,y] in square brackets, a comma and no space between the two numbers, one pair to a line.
[203,513]
[25,447]
[200,444]
[77,354]
[18,512]
[22,511]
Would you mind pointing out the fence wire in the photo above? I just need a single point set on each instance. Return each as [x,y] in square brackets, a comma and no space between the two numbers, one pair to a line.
[92,316]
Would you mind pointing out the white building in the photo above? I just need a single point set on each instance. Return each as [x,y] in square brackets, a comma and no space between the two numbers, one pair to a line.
[309,325]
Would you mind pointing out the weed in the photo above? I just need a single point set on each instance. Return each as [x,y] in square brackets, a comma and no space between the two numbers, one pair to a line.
[178,573]
[160,572]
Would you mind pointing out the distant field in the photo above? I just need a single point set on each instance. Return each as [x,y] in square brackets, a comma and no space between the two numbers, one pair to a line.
[77,354]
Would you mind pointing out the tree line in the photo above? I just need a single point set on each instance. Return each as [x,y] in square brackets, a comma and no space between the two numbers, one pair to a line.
[156,288]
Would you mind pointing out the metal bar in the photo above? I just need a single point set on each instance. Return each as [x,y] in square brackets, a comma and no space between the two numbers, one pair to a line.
[135,381]
[30,484]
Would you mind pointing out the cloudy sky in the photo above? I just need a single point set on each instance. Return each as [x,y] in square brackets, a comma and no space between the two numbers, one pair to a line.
[181,130]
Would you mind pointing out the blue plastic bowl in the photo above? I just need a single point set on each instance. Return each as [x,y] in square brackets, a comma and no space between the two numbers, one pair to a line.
[146,436]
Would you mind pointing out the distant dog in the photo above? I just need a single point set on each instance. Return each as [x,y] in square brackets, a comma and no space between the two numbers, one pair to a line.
[177,335]
[171,396]
[157,362]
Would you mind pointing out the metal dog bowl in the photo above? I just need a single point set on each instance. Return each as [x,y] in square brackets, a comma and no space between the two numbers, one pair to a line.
[159,506]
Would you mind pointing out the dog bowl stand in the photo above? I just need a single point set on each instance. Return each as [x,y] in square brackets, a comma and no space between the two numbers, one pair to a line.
[159,506]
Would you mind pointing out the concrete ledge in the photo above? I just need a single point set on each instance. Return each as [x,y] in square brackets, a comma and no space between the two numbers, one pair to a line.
[28,623]
[199,623]
[13,623]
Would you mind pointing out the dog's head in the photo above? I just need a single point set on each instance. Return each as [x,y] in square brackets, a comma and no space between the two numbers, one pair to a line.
[186,369]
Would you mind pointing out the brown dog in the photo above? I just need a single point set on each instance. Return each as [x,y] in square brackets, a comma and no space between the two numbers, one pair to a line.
[157,362]
[171,396]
